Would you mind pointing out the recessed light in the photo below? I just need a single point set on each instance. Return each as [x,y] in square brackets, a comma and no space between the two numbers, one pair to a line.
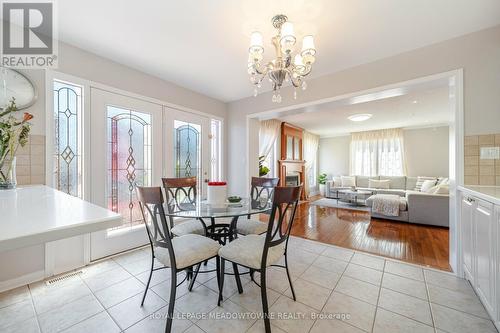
[360,117]
[415,102]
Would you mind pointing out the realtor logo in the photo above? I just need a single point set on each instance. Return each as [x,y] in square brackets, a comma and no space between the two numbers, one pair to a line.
[28,34]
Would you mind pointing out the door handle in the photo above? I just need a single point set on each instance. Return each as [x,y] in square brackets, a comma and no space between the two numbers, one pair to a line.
[206,180]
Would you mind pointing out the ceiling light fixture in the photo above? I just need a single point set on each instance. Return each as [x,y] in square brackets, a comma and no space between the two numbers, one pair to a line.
[284,67]
[360,117]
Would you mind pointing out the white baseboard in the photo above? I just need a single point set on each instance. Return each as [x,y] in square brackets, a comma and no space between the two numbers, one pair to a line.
[22,280]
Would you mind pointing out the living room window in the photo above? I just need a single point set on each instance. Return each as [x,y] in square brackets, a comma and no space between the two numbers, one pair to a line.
[376,153]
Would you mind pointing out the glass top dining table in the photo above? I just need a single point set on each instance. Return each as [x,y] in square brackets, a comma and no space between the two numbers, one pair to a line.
[201,209]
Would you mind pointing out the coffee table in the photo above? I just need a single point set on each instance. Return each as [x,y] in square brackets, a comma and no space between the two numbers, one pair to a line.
[353,197]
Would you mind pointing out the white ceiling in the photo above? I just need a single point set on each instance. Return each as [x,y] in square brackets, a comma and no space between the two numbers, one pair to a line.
[432,108]
[202,45]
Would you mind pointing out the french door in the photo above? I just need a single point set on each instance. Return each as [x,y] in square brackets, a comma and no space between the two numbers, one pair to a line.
[187,146]
[126,149]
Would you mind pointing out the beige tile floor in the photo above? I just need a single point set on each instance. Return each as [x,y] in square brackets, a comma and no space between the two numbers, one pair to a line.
[338,290]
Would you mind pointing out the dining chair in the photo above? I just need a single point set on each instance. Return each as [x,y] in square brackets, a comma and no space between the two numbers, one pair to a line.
[262,190]
[257,252]
[177,253]
[181,195]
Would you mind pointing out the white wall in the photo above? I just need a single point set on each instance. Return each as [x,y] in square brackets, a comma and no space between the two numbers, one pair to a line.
[333,155]
[477,53]
[427,152]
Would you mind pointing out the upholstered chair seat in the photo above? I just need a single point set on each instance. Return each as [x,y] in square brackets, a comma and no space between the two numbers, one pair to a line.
[189,250]
[251,227]
[188,227]
[247,251]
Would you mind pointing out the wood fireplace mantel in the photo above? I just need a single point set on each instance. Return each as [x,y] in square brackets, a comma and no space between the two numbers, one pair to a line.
[293,167]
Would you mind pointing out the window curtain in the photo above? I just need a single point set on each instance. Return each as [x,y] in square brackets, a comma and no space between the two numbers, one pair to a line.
[310,143]
[378,153]
[269,131]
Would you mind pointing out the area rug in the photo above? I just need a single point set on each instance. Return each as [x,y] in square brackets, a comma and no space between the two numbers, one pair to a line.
[325,202]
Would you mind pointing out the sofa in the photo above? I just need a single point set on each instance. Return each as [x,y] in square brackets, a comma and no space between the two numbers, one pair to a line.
[414,207]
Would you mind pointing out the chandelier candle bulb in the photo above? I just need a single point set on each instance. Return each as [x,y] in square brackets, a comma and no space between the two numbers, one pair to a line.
[256,43]
[298,62]
[287,37]
[308,45]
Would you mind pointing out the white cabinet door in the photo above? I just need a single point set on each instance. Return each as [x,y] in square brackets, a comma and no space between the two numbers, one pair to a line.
[467,209]
[497,264]
[484,253]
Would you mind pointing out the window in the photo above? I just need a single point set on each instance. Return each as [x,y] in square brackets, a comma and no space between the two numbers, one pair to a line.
[67,157]
[215,150]
[312,174]
[129,160]
[378,153]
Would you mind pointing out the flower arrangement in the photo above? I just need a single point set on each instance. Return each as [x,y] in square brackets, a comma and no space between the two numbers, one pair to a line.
[13,134]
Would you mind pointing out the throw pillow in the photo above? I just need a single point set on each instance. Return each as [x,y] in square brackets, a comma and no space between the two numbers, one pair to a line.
[348,181]
[421,180]
[337,181]
[442,189]
[427,185]
[443,181]
[380,184]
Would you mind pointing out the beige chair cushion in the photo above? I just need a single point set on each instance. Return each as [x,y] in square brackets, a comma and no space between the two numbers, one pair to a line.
[189,250]
[247,251]
[188,227]
[251,227]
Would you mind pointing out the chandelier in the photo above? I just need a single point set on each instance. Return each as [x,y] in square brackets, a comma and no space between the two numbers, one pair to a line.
[281,69]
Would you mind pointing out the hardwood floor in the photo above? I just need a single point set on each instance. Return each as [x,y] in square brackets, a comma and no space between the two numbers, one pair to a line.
[419,244]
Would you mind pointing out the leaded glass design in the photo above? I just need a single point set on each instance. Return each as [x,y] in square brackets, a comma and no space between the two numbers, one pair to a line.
[129,160]
[215,150]
[68,138]
[187,149]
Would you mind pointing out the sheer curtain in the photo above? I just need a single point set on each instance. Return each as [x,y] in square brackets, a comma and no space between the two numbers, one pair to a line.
[378,153]
[269,131]
[311,143]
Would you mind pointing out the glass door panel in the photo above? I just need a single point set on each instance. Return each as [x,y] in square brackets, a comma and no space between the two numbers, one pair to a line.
[187,149]
[129,161]
[189,146]
[126,149]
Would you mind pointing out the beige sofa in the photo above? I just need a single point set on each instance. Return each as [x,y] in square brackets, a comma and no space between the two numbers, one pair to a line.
[415,207]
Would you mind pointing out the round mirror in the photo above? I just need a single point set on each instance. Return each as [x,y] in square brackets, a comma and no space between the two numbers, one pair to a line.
[14,84]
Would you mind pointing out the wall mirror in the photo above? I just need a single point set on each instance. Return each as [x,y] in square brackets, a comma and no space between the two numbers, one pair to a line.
[17,85]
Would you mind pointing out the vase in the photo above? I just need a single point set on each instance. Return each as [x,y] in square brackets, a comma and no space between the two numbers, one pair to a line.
[8,179]
[322,189]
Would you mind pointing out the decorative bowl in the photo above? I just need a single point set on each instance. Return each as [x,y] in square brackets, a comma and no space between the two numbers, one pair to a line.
[234,199]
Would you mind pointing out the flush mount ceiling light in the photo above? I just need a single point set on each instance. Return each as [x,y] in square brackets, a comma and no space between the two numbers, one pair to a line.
[360,117]
[285,67]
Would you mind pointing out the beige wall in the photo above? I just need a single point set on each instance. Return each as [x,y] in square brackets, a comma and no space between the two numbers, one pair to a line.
[481,171]
[427,152]
[477,53]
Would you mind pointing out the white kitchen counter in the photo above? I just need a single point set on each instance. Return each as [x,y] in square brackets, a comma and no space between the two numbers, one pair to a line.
[488,193]
[31,215]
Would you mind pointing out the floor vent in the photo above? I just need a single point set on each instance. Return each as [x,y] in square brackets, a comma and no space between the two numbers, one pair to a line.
[63,277]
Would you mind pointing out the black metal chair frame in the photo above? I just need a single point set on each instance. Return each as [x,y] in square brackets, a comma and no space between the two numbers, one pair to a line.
[177,187]
[285,199]
[161,237]
[259,185]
